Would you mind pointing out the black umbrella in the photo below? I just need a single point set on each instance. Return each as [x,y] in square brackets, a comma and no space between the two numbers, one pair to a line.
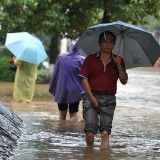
[135,45]
[10,131]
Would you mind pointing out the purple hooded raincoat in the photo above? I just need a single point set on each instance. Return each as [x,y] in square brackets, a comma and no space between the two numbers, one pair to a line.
[65,84]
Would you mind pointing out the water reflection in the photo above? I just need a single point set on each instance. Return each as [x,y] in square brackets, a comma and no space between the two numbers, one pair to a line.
[135,133]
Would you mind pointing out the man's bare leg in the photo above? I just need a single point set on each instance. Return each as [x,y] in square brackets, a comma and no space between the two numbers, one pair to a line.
[105,140]
[62,115]
[90,139]
[73,116]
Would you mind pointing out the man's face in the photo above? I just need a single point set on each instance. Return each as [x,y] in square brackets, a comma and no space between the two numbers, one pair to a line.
[107,43]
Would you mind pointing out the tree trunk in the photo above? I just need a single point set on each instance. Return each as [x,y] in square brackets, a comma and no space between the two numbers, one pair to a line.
[54,49]
[106,16]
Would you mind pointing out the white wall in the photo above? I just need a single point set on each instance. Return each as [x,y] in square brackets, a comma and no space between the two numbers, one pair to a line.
[63,48]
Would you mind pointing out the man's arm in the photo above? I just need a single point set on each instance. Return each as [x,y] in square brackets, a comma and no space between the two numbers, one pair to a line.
[87,88]
[123,76]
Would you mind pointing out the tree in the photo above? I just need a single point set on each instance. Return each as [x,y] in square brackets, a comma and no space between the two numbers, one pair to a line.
[34,16]
[69,18]
[63,18]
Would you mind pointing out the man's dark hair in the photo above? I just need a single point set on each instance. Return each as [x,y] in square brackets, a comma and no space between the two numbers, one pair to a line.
[101,36]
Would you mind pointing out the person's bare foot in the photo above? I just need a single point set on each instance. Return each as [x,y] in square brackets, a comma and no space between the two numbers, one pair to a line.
[105,140]
[73,117]
[22,101]
[90,139]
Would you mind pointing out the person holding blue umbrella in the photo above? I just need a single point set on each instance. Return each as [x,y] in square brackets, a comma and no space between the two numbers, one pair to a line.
[99,73]
[29,52]
[24,83]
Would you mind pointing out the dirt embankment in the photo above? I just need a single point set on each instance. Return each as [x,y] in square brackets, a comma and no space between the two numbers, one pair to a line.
[41,92]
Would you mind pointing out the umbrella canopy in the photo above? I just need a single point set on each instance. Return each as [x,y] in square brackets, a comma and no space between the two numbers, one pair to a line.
[26,47]
[135,45]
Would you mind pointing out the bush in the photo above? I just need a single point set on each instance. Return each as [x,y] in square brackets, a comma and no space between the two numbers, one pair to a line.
[6,73]
[44,76]
[5,52]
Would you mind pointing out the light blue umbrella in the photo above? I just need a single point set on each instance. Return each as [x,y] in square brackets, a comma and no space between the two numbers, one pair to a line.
[135,45]
[26,47]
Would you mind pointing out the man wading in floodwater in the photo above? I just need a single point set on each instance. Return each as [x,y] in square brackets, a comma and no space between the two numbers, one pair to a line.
[100,72]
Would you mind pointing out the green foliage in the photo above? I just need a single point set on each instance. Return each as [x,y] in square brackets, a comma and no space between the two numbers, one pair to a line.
[154,23]
[40,66]
[43,76]
[70,17]
[137,11]
[34,16]
[6,74]
[5,52]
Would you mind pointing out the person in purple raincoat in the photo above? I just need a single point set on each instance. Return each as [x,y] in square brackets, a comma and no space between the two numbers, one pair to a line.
[65,84]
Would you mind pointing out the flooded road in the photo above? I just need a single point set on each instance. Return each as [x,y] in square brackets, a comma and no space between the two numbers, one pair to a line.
[143,89]
[135,134]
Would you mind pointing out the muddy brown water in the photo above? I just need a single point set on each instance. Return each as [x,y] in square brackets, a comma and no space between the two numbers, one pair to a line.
[135,133]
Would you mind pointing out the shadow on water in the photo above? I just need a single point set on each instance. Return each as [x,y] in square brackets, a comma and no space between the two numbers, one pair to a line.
[135,134]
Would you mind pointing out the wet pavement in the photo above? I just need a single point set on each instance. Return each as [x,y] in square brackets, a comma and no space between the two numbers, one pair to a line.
[135,134]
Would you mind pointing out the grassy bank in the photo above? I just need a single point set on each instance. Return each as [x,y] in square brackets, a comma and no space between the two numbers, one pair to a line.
[41,92]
